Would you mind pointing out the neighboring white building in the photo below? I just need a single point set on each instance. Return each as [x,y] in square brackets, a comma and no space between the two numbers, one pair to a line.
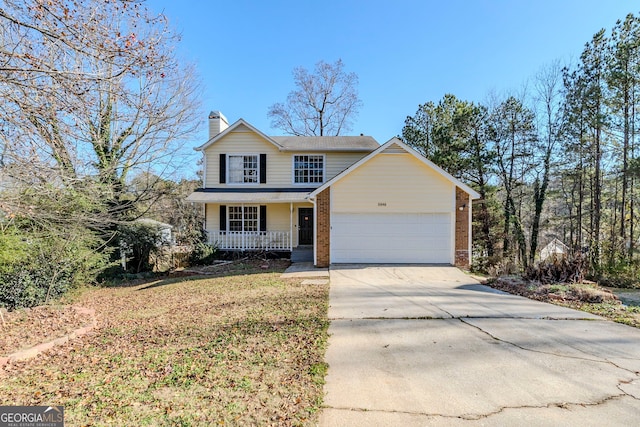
[554,248]
[166,237]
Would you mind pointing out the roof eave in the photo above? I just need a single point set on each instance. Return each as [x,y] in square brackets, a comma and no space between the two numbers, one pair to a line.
[231,128]
[327,150]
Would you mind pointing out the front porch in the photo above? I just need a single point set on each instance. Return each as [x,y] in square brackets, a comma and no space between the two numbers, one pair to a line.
[276,227]
[251,240]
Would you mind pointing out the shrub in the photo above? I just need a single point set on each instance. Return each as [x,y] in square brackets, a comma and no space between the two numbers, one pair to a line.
[45,266]
[481,263]
[557,270]
[138,241]
[620,273]
[203,254]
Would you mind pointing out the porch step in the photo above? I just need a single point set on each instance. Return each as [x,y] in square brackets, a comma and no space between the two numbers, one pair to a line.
[302,254]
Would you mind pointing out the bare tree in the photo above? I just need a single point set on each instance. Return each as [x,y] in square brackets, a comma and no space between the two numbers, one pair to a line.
[513,132]
[92,94]
[109,32]
[324,102]
[548,84]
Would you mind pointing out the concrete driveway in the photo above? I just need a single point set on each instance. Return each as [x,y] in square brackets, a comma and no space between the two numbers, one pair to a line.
[428,345]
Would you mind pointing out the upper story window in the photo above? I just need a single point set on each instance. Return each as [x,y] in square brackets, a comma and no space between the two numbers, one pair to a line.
[243,169]
[308,169]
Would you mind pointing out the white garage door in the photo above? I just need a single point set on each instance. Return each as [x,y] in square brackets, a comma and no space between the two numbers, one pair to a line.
[391,238]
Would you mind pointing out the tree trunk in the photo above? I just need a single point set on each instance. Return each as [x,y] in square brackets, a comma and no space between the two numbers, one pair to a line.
[540,194]
[597,194]
[632,180]
[625,163]
[506,248]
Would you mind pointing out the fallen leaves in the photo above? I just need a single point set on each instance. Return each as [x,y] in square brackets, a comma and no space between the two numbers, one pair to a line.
[588,297]
[25,328]
[245,348]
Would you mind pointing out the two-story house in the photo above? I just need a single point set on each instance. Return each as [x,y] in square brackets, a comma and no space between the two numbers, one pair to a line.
[350,198]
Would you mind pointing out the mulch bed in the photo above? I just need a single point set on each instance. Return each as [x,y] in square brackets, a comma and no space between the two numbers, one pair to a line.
[582,292]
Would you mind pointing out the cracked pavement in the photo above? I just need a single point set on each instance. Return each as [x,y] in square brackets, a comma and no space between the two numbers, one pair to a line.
[429,345]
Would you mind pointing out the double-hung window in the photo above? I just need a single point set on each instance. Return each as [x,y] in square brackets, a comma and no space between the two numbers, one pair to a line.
[308,169]
[243,169]
[243,218]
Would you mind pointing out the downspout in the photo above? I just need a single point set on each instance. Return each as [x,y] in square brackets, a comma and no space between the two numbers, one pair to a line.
[452,227]
[470,204]
[315,232]
[291,226]
[204,223]
[204,185]
[204,169]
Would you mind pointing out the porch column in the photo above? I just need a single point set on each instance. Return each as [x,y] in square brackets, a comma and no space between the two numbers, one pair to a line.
[242,228]
[290,226]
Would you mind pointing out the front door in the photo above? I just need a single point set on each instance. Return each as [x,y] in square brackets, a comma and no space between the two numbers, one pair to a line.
[305,226]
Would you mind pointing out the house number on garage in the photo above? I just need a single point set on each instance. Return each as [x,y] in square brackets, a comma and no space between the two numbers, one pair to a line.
[382,203]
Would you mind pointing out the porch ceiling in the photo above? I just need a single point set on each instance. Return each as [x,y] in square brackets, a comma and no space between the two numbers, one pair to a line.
[244,197]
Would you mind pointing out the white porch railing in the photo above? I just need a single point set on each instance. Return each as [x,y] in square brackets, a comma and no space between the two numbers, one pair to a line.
[251,240]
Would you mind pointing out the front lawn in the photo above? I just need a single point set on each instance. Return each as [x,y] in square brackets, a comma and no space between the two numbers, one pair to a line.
[246,348]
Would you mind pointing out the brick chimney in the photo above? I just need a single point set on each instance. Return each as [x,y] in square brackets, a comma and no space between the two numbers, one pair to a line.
[217,123]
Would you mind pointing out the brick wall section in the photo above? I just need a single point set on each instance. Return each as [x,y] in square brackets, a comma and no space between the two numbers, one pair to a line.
[462,228]
[323,228]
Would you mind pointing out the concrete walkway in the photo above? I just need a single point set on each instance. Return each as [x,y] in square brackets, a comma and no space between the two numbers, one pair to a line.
[304,269]
[416,345]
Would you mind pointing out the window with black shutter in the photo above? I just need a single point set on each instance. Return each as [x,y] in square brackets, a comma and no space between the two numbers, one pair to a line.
[263,218]
[263,168]
[223,168]
[223,218]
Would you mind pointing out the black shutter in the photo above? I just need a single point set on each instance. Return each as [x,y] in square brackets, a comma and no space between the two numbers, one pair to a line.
[223,218]
[223,168]
[263,218]
[263,168]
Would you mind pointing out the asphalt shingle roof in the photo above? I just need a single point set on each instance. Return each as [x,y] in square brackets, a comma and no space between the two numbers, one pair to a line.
[326,143]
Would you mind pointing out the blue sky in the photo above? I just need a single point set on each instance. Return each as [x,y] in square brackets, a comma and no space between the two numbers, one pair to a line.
[404,52]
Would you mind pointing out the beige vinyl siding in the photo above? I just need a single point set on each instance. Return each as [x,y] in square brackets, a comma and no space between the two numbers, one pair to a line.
[279,164]
[393,183]
[237,142]
[337,162]
[212,218]
[278,217]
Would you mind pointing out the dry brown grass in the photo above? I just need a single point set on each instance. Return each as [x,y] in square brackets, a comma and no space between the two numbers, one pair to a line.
[246,348]
[587,297]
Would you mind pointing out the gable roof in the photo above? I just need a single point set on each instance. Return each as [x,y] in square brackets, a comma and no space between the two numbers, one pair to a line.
[327,143]
[555,243]
[395,145]
[240,122]
[303,143]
